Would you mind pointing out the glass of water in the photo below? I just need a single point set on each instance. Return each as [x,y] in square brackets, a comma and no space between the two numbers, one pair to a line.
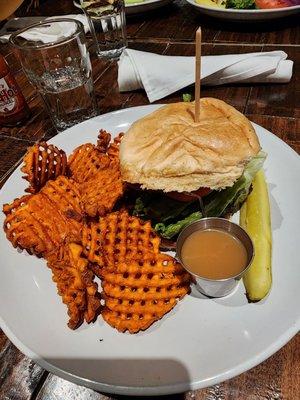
[107,24]
[55,58]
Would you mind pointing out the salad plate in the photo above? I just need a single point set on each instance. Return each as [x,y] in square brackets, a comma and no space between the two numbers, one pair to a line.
[136,7]
[245,14]
[200,343]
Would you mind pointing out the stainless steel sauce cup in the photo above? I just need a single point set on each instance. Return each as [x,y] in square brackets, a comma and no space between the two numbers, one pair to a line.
[216,287]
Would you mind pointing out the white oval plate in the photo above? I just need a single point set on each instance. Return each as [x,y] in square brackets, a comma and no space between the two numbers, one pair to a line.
[245,15]
[147,5]
[198,344]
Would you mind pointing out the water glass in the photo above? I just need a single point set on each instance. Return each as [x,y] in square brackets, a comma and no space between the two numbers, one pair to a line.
[107,25]
[55,58]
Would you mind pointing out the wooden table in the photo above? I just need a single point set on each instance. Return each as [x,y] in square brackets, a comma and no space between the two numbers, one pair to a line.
[170,30]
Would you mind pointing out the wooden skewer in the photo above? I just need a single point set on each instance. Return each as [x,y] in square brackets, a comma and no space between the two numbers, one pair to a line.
[197,74]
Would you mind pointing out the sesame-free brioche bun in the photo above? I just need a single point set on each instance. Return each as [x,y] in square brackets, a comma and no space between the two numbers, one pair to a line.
[167,150]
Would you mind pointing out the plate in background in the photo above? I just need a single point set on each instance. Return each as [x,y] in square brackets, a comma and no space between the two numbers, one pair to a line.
[147,5]
[245,15]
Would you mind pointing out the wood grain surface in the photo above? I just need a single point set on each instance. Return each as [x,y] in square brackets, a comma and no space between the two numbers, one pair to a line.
[169,30]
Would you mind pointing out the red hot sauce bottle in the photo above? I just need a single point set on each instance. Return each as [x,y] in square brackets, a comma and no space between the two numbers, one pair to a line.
[13,107]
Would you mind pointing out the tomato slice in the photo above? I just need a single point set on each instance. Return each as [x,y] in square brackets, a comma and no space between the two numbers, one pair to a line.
[180,196]
[186,197]
[272,3]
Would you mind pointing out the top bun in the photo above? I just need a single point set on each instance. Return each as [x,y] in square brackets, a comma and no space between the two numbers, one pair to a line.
[167,150]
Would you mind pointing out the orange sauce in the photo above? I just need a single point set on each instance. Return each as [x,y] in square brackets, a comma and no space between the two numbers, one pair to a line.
[213,254]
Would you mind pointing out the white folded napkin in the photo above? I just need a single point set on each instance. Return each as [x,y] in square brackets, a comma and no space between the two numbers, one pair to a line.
[162,75]
[44,34]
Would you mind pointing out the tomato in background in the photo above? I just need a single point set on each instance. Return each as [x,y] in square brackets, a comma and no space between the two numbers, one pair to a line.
[187,197]
[276,3]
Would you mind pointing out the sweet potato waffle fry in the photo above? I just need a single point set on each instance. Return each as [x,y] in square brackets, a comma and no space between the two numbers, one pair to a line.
[103,141]
[134,301]
[114,147]
[133,322]
[119,236]
[105,145]
[86,160]
[86,153]
[43,162]
[100,194]
[99,177]
[139,283]
[75,284]
[40,223]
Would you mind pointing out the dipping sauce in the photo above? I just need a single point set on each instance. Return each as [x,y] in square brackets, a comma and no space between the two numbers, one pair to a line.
[214,254]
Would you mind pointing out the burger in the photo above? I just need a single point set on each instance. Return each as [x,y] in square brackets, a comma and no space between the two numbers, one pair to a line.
[172,161]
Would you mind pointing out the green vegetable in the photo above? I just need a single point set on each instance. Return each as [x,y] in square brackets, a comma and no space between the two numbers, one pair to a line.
[170,216]
[240,4]
[168,231]
[160,208]
[255,218]
[231,199]
[186,97]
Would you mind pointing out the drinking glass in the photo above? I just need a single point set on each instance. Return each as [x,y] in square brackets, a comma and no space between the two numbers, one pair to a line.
[107,23]
[55,58]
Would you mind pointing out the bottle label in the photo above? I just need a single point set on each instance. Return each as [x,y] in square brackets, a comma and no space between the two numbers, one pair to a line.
[11,100]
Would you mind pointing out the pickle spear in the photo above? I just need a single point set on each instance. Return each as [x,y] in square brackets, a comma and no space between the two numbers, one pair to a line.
[255,219]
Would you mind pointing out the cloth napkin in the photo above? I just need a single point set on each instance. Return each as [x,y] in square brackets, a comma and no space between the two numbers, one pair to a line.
[46,35]
[162,75]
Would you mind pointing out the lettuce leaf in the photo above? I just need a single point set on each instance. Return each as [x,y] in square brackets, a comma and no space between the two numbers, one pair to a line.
[186,97]
[230,200]
[168,231]
[240,4]
[160,208]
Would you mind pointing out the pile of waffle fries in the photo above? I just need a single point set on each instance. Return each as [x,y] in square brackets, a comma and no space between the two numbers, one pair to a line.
[71,218]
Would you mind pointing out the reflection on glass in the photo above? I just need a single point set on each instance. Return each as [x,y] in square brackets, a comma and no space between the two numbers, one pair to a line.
[108,26]
[58,65]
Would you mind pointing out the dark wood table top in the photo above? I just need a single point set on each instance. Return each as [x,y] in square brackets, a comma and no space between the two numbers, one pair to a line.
[169,30]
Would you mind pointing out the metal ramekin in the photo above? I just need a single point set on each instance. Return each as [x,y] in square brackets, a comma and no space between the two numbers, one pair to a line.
[216,287]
